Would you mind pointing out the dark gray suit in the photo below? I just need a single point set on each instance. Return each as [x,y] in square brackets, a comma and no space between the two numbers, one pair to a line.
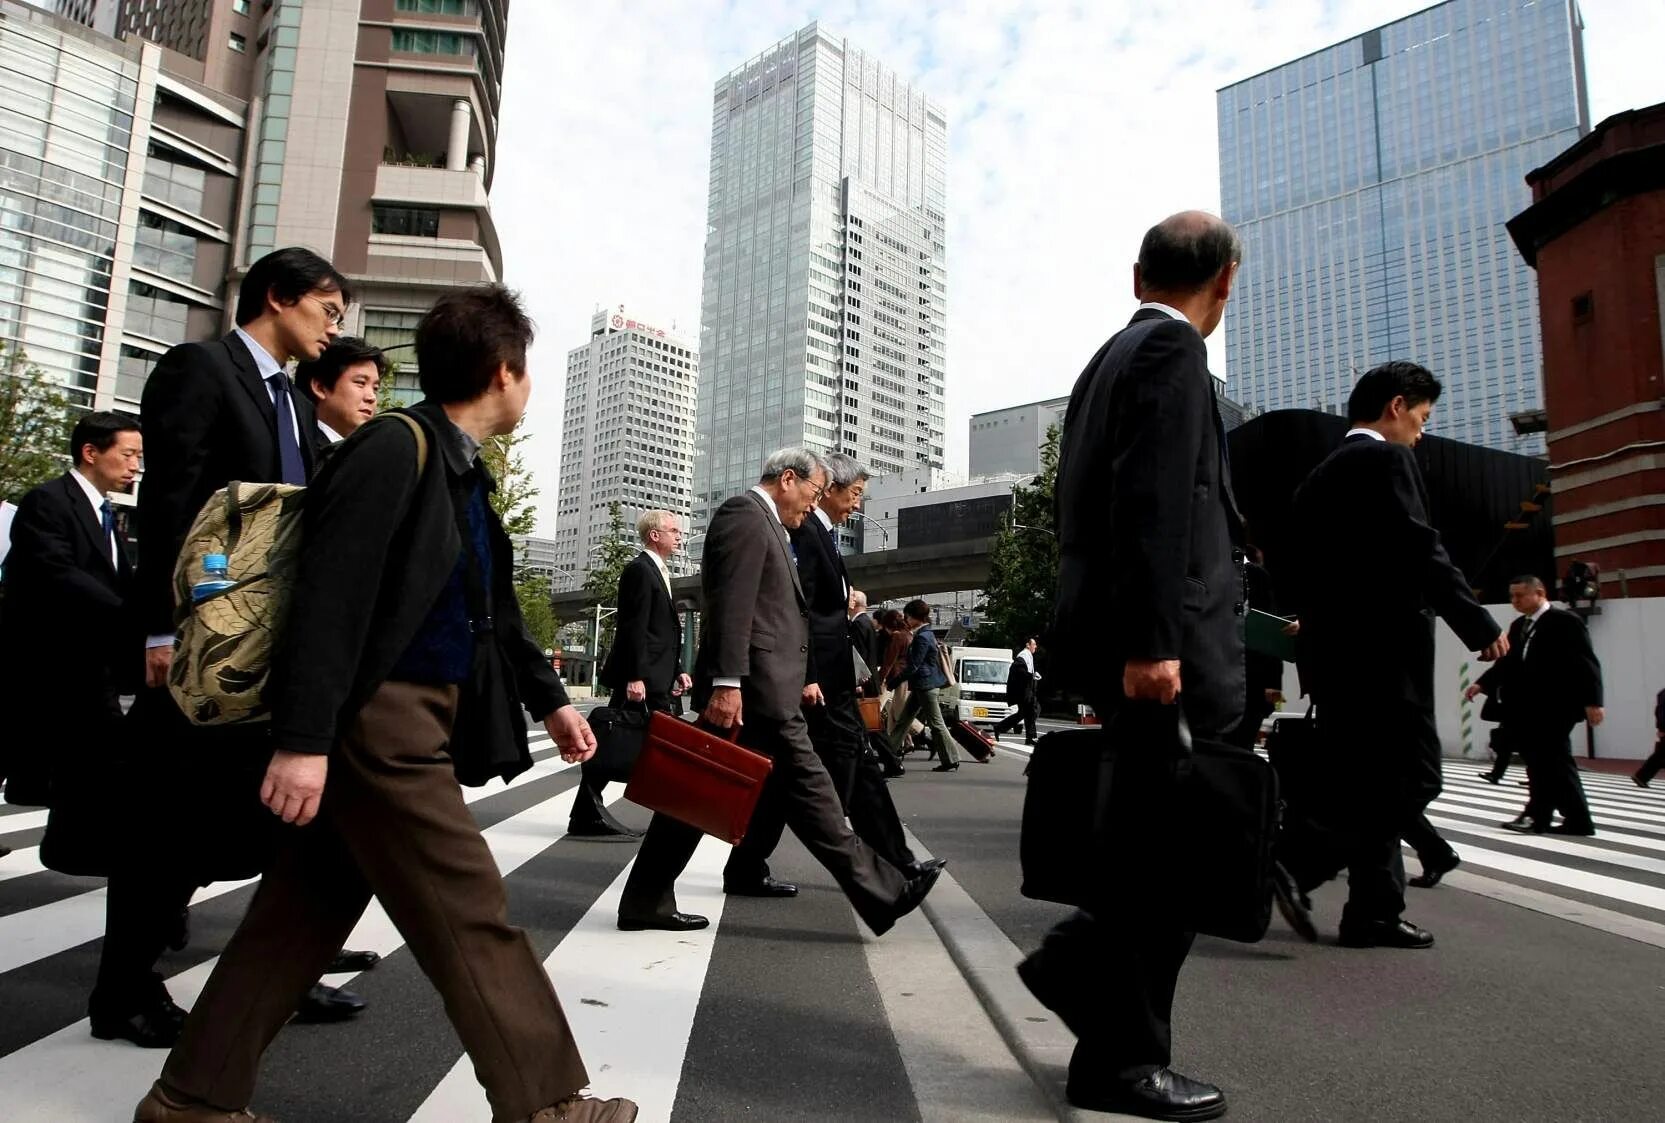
[756,629]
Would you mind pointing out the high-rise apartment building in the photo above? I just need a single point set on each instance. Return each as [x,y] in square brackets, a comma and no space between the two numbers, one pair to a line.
[100,15]
[824,312]
[627,437]
[1370,181]
[1010,439]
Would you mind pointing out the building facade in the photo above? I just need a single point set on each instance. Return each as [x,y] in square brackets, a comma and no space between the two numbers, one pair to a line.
[1370,182]
[824,310]
[100,15]
[1010,439]
[1595,233]
[627,437]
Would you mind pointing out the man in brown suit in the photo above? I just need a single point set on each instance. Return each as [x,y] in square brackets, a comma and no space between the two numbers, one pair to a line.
[751,672]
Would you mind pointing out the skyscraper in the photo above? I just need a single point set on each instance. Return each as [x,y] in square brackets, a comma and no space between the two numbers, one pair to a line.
[627,436]
[1370,181]
[824,313]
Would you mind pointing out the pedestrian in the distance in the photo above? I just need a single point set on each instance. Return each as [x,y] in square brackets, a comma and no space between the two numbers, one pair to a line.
[923,671]
[1022,683]
[1650,767]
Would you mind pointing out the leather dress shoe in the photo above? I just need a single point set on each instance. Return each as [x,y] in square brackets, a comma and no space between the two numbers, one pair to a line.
[601,830]
[894,770]
[1162,1094]
[913,895]
[1523,825]
[675,922]
[1294,905]
[352,961]
[1491,779]
[1584,831]
[1635,778]
[1385,934]
[328,1004]
[161,1106]
[4,850]
[583,1109]
[1430,875]
[154,1028]
[955,767]
[918,869]
[766,887]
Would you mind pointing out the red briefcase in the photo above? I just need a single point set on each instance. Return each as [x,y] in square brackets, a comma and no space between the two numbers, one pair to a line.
[697,777]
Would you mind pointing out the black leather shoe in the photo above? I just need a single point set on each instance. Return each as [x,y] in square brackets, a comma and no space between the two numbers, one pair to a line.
[1491,779]
[914,893]
[328,1004]
[600,830]
[352,961]
[768,887]
[1386,934]
[1635,778]
[917,869]
[955,767]
[894,770]
[155,1028]
[1430,875]
[1584,831]
[676,922]
[1294,905]
[1523,825]
[1163,1094]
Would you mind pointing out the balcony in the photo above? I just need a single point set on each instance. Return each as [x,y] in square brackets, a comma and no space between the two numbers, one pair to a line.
[418,186]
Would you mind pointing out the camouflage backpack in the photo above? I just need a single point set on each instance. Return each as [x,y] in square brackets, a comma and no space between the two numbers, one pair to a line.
[224,652]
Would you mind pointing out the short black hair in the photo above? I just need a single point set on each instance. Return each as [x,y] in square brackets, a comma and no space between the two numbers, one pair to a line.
[466,336]
[288,274]
[917,610]
[1185,252]
[325,370]
[1399,379]
[1529,579]
[100,430]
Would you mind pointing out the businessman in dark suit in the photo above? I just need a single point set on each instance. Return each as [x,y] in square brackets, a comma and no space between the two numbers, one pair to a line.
[829,701]
[67,640]
[1367,578]
[864,635]
[387,690]
[215,412]
[645,666]
[1548,682]
[750,673]
[1150,587]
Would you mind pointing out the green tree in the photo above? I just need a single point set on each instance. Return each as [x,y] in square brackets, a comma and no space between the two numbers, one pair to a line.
[36,418]
[504,458]
[602,580]
[532,591]
[1023,562]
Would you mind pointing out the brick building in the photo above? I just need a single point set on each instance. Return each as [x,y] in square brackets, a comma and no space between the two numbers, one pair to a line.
[1595,232]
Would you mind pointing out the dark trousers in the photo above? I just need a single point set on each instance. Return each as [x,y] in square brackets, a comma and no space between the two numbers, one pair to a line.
[1650,767]
[812,810]
[840,742]
[1552,777]
[588,808]
[394,824]
[1025,713]
[1503,748]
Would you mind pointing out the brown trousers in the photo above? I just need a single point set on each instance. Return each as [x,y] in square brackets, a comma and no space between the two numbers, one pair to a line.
[393,823]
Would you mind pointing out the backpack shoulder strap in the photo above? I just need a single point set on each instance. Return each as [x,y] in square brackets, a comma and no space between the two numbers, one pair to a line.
[421,436]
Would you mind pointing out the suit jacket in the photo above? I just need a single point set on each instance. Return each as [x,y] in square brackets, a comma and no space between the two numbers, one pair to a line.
[1148,532]
[208,420]
[1547,683]
[864,634]
[826,587]
[647,642]
[1368,576]
[371,515]
[756,625]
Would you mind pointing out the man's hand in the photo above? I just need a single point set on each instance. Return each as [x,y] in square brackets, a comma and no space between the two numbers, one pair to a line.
[294,785]
[157,662]
[1293,628]
[723,711]
[572,734]
[683,684]
[1148,680]
[1595,715]
[813,695]
[1498,648]
[635,691]
[1472,692]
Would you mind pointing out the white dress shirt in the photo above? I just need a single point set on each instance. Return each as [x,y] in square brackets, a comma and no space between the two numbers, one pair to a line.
[768,501]
[1168,308]
[664,571]
[97,499]
[1535,617]
[1028,658]
[330,435]
[1371,433]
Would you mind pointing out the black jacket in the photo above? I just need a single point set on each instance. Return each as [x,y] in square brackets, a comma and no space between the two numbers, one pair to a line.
[869,641]
[1148,533]
[647,641]
[1367,577]
[1020,682]
[208,420]
[379,544]
[826,587]
[1547,683]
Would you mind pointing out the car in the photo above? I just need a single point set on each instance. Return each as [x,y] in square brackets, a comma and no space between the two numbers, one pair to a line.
[981,673]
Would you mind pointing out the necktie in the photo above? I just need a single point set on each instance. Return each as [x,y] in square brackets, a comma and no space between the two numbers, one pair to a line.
[108,518]
[1526,635]
[293,468]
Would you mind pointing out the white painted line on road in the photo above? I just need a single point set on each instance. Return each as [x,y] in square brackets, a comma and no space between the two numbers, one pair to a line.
[1505,804]
[1600,885]
[1596,796]
[1569,846]
[1624,842]
[22,821]
[630,997]
[1562,908]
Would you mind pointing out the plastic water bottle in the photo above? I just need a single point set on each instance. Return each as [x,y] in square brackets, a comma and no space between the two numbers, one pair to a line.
[216,575]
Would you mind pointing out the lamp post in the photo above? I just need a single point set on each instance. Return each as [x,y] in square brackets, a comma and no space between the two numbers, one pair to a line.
[873,522]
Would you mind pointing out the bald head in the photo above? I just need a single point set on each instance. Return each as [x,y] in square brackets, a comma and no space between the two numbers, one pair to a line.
[1188,261]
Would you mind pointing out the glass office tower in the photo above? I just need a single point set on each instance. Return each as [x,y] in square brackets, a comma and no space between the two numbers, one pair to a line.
[824,308]
[1371,181]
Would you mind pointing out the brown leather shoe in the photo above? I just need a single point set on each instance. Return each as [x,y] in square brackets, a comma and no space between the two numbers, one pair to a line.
[162,1106]
[583,1109]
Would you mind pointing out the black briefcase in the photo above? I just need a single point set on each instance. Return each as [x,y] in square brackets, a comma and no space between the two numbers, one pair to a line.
[1213,850]
[620,731]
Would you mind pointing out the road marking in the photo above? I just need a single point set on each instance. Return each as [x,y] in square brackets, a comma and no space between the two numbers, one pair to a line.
[1565,847]
[1562,908]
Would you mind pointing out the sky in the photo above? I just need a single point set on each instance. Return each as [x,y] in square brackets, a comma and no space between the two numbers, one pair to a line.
[1072,128]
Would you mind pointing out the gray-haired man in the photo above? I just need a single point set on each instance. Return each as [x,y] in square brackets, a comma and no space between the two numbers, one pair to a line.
[751,673]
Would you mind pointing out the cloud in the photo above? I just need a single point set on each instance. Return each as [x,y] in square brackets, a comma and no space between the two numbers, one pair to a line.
[1072,127]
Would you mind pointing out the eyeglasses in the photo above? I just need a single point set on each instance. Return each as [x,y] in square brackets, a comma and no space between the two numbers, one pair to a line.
[337,315]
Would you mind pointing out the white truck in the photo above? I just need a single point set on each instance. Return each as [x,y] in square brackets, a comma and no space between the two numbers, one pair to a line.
[981,673]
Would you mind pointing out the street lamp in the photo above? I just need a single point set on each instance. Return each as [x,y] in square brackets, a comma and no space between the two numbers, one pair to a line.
[1041,529]
[873,522]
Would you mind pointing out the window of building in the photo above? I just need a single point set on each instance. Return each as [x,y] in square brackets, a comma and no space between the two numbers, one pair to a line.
[415,222]
[415,42]
[241,7]
[238,43]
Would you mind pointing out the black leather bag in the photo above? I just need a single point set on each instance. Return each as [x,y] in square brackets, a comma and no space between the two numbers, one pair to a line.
[1209,846]
[620,731]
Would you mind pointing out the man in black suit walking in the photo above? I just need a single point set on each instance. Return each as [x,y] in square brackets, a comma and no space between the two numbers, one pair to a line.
[645,666]
[1149,589]
[1021,682]
[67,641]
[1368,576]
[750,673]
[1548,682]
